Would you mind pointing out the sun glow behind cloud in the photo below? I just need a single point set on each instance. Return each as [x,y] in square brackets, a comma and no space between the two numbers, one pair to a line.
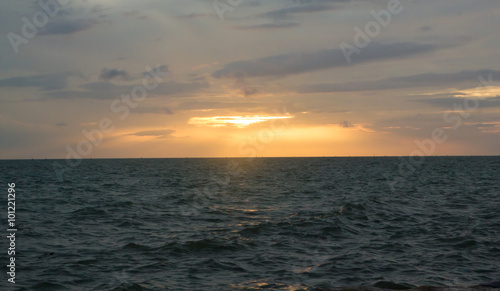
[480,92]
[236,121]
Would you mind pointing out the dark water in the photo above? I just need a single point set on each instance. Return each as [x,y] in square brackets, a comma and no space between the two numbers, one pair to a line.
[238,224]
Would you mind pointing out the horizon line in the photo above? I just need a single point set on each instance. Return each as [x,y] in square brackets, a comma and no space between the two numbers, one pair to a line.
[234,157]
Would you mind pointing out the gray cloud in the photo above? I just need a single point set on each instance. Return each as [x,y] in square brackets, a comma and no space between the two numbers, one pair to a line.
[297,63]
[425,28]
[420,80]
[152,110]
[309,7]
[346,124]
[155,133]
[267,26]
[108,74]
[249,91]
[46,82]
[67,26]
[448,102]
[197,15]
[106,90]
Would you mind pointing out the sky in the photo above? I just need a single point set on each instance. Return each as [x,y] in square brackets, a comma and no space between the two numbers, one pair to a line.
[248,78]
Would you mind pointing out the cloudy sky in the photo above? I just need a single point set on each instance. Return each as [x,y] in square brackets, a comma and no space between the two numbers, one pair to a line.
[204,78]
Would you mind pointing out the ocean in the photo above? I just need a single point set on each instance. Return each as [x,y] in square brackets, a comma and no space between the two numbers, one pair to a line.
[252,224]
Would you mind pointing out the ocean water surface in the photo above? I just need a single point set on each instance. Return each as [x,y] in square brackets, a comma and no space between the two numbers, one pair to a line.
[253,224]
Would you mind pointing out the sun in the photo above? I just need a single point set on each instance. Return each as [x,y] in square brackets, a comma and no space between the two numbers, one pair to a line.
[236,121]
